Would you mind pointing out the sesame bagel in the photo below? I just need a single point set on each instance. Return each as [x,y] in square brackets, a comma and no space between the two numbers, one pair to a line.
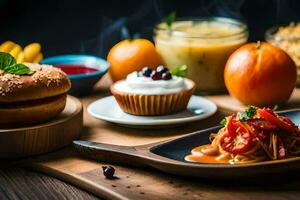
[46,81]
[34,98]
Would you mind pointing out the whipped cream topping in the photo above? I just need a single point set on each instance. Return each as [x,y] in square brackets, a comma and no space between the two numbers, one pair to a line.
[145,85]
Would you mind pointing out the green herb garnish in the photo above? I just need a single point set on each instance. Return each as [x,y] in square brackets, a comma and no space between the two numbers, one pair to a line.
[179,71]
[170,19]
[18,69]
[6,60]
[248,113]
[223,121]
[9,65]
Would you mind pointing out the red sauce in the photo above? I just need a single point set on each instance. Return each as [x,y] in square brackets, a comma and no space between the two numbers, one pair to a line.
[76,69]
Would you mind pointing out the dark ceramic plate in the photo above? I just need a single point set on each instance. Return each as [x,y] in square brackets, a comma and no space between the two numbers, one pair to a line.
[169,156]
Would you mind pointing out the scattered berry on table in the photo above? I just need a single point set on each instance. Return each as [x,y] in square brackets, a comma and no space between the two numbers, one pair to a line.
[108,171]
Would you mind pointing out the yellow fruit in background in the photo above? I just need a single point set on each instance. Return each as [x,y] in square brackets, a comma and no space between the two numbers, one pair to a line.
[38,58]
[31,53]
[7,46]
[20,57]
[15,50]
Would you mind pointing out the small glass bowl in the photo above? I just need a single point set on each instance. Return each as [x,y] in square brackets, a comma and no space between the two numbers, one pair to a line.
[289,43]
[82,84]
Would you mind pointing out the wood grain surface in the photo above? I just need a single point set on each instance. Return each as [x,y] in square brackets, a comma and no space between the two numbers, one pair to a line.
[44,137]
[17,183]
[146,183]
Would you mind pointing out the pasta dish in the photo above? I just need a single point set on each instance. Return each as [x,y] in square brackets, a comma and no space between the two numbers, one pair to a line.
[250,136]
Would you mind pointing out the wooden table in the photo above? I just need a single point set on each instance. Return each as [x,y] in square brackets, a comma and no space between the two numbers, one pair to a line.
[19,183]
[133,183]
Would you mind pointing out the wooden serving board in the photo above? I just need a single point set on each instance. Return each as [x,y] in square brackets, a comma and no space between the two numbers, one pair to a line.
[49,136]
[146,183]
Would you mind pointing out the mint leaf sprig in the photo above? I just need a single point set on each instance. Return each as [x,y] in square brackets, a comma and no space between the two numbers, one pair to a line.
[223,121]
[9,65]
[248,113]
[180,70]
[170,19]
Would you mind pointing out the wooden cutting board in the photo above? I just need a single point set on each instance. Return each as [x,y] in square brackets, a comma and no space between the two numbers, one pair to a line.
[45,137]
[133,183]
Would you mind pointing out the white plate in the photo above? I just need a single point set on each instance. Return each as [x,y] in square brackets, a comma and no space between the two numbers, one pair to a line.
[107,109]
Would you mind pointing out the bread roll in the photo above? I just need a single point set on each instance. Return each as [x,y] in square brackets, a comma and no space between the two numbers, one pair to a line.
[35,98]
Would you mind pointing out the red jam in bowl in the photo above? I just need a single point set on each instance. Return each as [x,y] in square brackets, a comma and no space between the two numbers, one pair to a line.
[77,69]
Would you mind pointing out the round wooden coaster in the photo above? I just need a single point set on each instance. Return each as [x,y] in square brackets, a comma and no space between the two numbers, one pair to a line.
[42,138]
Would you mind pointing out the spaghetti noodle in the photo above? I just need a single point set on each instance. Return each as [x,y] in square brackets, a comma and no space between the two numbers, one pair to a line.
[251,136]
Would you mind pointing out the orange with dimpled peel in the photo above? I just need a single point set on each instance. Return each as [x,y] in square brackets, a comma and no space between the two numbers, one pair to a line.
[132,55]
[260,74]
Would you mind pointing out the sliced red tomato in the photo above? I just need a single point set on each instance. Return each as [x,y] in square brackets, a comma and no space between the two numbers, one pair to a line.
[230,120]
[287,120]
[237,139]
[269,115]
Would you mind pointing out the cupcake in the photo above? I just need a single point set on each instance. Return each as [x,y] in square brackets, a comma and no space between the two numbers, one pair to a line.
[157,92]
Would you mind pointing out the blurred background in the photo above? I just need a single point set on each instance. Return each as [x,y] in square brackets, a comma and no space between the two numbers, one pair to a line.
[93,26]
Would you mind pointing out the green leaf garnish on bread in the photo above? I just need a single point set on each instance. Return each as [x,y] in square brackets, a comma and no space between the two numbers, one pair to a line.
[9,65]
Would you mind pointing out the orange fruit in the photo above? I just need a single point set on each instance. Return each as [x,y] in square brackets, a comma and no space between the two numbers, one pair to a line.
[260,74]
[132,55]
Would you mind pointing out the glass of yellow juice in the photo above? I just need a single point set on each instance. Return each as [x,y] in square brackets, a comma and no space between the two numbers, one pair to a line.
[204,45]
